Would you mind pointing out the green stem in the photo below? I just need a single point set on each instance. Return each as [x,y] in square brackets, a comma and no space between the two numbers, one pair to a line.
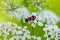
[22,22]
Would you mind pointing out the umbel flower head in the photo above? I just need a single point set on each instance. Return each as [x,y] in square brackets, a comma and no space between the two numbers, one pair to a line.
[51,32]
[15,32]
[19,13]
[14,10]
[45,16]
[48,16]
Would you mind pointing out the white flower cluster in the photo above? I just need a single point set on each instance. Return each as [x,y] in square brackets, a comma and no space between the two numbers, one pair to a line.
[45,16]
[33,24]
[19,13]
[16,32]
[51,29]
[10,5]
[51,32]
[38,4]
[22,13]
[48,16]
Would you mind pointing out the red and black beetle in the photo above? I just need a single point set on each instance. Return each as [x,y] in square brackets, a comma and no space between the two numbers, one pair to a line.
[31,18]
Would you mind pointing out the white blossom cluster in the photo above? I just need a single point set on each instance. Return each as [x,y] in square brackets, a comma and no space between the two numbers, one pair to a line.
[19,13]
[33,23]
[10,4]
[39,5]
[16,32]
[50,28]
[48,16]
[45,16]
[51,32]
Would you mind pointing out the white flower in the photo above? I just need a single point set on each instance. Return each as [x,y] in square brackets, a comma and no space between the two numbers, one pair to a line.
[40,23]
[56,38]
[28,37]
[22,12]
[48,16]
[48,38]
[23,38]
[5,38]
[25,27]
[17,32]
[40,8]
[38,38]
[34,13]
[19,13]
[51,31]
[35,21]
[34,37]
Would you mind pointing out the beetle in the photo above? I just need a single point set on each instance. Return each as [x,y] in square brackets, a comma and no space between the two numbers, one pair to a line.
[31,18]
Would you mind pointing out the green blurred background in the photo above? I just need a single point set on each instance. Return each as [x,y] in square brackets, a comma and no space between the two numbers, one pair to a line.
[55,6]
